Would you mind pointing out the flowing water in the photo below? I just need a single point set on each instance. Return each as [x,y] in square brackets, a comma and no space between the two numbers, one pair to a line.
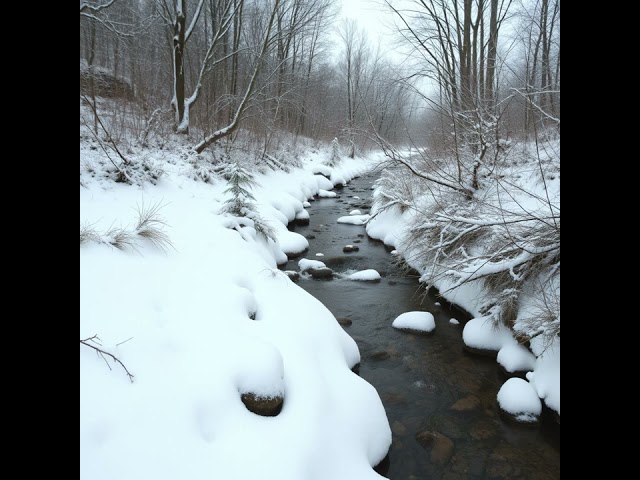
[419,378]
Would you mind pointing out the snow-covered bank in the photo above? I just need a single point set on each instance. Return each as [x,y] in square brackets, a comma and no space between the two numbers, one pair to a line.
[492,250]
[206,320]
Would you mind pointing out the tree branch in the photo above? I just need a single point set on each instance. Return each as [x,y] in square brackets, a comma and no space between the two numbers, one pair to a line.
[89,342]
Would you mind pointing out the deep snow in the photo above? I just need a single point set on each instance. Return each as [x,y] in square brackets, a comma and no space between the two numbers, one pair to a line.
[184,316]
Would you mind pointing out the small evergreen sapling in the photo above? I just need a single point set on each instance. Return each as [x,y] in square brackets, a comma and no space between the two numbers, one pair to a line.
[335,158]
[241,202]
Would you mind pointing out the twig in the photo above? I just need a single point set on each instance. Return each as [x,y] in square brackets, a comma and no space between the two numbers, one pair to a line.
[101,353]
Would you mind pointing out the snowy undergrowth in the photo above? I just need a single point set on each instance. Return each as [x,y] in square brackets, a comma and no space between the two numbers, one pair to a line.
[496,254]
[206,320]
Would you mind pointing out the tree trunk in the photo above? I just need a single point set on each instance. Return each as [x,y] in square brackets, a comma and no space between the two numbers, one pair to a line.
[492,52]
[178,64]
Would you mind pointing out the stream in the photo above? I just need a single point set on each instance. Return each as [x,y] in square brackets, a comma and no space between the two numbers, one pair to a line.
[420,378]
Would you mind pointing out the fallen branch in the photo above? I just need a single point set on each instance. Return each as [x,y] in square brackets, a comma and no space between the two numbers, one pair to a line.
[101,353]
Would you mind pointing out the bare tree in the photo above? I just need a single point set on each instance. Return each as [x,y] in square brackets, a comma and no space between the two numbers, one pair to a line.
[249,91]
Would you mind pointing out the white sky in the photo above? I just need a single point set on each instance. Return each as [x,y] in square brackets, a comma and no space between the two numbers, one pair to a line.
[374,17]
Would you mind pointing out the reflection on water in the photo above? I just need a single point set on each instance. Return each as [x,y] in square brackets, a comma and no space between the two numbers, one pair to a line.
[440,400]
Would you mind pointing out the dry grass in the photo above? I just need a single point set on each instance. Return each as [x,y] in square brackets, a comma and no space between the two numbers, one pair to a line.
[150,226]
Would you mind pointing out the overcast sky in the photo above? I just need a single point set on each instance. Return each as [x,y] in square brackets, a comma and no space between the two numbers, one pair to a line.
[373,17]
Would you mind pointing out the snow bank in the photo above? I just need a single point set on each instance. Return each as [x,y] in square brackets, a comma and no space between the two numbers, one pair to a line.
[203,322]
[386,225]
[545,377]
[354,219]
[369,275]
[518,398]
[420,321]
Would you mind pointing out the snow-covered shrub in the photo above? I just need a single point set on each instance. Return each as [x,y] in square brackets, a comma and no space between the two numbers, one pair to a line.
[502,237]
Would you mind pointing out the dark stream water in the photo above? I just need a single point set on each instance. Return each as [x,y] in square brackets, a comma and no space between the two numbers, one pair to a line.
[419,378]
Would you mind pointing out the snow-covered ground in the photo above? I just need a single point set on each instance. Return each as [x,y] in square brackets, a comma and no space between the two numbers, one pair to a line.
[206,319]
[524,192]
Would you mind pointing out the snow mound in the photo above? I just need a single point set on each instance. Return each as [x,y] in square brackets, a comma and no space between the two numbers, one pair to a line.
[319,254]
[325,194]
[518,398]
[324,183]
[453,321]
[321,169]
[306,204]
[292,242]
[516,358]
[302,215]
[481,333]
[337,178]
[354,219]
[306,264]
[420,321]
[369,275]
[355,212]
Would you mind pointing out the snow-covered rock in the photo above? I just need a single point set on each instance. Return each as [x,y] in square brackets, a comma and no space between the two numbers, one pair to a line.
[306,264]
[422,322]
[369,275]
[519,399]
[354,219]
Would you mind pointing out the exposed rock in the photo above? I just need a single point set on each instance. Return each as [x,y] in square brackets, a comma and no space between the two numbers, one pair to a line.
[360,235]
[310,237]
[482,430]
[264,406]
[392,282]
[517,374]
[416,332]
[294,276]
[398,428]
[480,351]
[103,83]
[521,419]
[350,248]
[441,446]
[380,355]
[344,321]
[466,404]
[392,399]
[382,468]
[301,221]
[357,241]
[356,369]
[324,273]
